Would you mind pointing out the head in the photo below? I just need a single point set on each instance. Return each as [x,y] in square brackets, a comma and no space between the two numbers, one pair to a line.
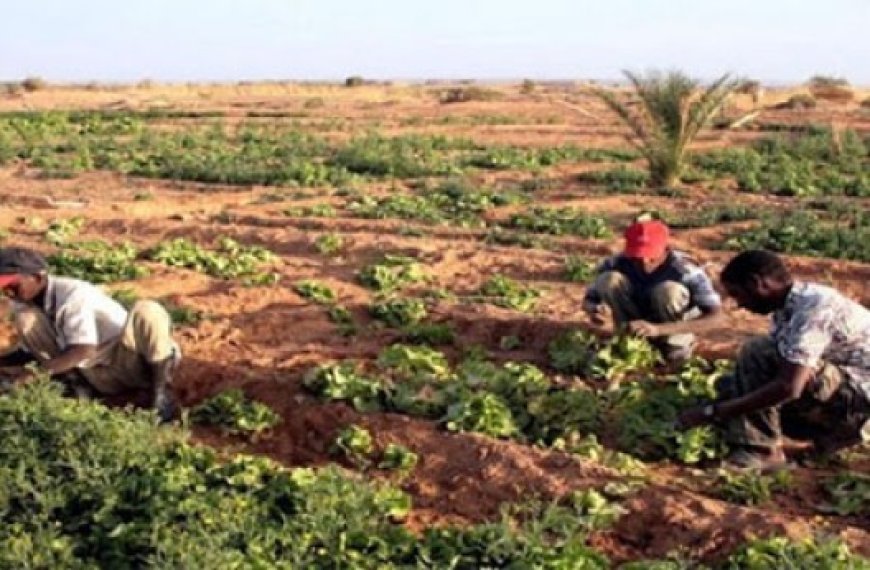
[757,280]
[646,244]
[23,273]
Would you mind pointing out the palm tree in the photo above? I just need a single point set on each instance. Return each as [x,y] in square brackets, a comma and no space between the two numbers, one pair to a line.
[670,113]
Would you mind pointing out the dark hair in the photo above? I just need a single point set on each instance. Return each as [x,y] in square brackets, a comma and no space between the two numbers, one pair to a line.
[754,263]
[21,260]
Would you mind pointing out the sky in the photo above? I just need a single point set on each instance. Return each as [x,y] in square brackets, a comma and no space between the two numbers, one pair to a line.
[775,41]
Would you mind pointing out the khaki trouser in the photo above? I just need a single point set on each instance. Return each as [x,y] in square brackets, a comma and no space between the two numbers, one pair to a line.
[669,303]
[830,407]
[122,363]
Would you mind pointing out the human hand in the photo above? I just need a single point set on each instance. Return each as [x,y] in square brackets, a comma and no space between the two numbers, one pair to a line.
[693,417]
[599,314]
[645,329]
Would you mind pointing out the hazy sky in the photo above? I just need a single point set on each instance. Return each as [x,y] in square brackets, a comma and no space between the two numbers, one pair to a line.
[180,40]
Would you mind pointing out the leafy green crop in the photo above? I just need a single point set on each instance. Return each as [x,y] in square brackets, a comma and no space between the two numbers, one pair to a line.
[750,488]
[84,486]
[428,333]
[579,269]
[329,244]
[505,292]
[646,412]
[398,458]
[482,412]
[414,361]
[804,233]
[849,492]
[355,443]
[454,201]
[235,414]
[400,312]
[315,291]
[228,261]
[391,273]
[97,261]
[344,382]
[622,179]
[59,232]
[713,214]
[560,221]
[581,352]
[780,553]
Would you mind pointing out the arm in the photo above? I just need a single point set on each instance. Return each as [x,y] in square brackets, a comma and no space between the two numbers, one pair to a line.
[70,358]
[592,302]
[709,319]
[790,382]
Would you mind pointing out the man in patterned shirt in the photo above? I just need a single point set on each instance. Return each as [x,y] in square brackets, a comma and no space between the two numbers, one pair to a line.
[809,379]
[655,292]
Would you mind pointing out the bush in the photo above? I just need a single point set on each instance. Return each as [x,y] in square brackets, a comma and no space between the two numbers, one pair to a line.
[34,84]
[354,81]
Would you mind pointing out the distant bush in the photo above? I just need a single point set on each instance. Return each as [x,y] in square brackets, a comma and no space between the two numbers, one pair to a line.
[748,87]
[827,81]
[34,84]
[834,89]
[314,103]
[527,87]
[469,93]
[11,88]
[354,81]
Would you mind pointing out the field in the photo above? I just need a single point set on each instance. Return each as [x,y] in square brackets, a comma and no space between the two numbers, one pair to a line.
[397,276]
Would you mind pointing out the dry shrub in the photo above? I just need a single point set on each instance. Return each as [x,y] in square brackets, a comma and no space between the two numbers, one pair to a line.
[470,93]
[833,89]
[354,81]
[865,104]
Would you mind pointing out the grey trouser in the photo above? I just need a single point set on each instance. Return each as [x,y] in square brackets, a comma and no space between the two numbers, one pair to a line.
[669,303]
[122,363]
[830,406]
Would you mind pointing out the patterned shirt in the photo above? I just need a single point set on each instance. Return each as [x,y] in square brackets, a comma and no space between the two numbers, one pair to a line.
[820,325]
[677,267]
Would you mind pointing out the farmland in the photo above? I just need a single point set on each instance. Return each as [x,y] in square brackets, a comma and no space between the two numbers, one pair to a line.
[377,291]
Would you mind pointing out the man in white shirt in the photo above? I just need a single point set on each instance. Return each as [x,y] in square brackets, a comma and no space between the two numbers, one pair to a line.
[69,326]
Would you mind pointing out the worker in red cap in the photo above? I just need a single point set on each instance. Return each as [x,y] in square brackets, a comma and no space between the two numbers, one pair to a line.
[654,291]
[84,338]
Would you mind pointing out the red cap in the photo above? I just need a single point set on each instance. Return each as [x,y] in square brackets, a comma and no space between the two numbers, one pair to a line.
[9,279]
[646,239]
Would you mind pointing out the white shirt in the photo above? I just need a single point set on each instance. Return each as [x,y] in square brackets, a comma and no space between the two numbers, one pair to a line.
[81,312]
